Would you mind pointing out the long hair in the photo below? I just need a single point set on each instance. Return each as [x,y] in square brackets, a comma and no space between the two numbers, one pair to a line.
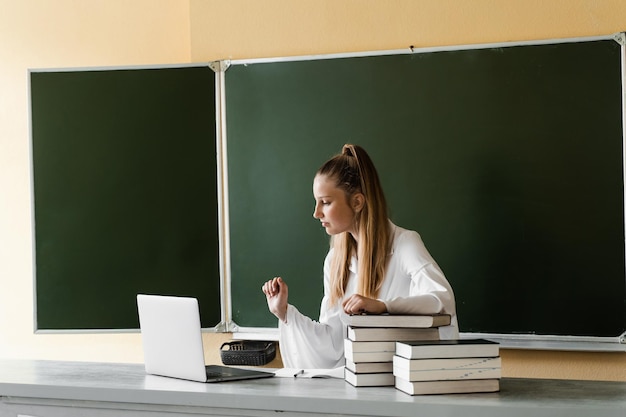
[353,171]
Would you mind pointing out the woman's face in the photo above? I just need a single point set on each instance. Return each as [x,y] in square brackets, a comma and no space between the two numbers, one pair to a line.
[332,207]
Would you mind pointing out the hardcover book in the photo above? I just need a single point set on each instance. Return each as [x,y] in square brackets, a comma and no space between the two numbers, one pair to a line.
[369,367]
[383,346]
[398,320]
[447,387]
[447,374]
[383,356]
[458,348]
[372,334]
[369,351]
[370,380]
[452,363]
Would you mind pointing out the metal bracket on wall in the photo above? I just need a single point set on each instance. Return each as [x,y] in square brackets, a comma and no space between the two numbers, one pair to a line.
[219,66]
[620,38]
[226,327]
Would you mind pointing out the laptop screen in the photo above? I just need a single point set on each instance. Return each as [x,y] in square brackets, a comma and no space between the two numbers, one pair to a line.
[172,341]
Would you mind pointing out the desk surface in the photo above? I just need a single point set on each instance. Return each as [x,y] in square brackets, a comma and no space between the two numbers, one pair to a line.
[25,381]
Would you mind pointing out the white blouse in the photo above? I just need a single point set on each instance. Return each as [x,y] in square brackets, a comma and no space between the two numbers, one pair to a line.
[414,284]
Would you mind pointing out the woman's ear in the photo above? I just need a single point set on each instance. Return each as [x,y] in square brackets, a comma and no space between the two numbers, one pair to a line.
[358,201]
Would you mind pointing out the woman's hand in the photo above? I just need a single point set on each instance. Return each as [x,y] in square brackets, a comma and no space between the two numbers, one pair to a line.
[276,294]
[357,304]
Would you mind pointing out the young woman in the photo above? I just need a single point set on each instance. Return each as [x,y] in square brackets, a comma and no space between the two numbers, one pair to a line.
[373,266]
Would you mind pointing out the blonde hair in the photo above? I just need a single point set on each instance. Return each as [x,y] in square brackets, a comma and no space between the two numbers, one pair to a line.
[353,171]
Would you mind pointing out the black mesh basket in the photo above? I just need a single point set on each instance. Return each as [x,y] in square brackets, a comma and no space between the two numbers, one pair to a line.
[248,352]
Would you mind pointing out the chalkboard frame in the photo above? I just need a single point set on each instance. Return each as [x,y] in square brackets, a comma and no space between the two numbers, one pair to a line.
[530,341]
[160,85]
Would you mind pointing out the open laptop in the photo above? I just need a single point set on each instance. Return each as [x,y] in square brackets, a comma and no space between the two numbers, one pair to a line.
[172,341]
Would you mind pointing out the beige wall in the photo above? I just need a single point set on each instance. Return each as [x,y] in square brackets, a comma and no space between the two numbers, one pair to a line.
[63,33]
[78,33]
[237,29]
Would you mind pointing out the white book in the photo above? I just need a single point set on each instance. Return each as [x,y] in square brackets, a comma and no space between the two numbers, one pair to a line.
[458,348]
[447,374]
[451,363]
[369,351]
[369,356]
[398,320]
[351,345]
[372,334]
[447,387]
[369,367]
[370,380]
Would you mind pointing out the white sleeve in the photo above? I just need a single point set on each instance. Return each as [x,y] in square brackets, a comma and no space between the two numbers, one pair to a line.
[430,292]
[305,343]
[417,302]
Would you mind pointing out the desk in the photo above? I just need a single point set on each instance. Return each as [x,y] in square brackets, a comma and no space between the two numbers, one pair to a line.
[71,389]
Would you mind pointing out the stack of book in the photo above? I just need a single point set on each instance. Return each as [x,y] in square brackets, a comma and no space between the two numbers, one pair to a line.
[447,366]
[371,344]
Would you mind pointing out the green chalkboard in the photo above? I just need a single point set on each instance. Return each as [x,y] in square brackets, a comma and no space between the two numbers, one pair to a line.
[507,160]
[125,200]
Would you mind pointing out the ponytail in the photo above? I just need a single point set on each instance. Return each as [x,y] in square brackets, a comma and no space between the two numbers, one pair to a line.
[353,171]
